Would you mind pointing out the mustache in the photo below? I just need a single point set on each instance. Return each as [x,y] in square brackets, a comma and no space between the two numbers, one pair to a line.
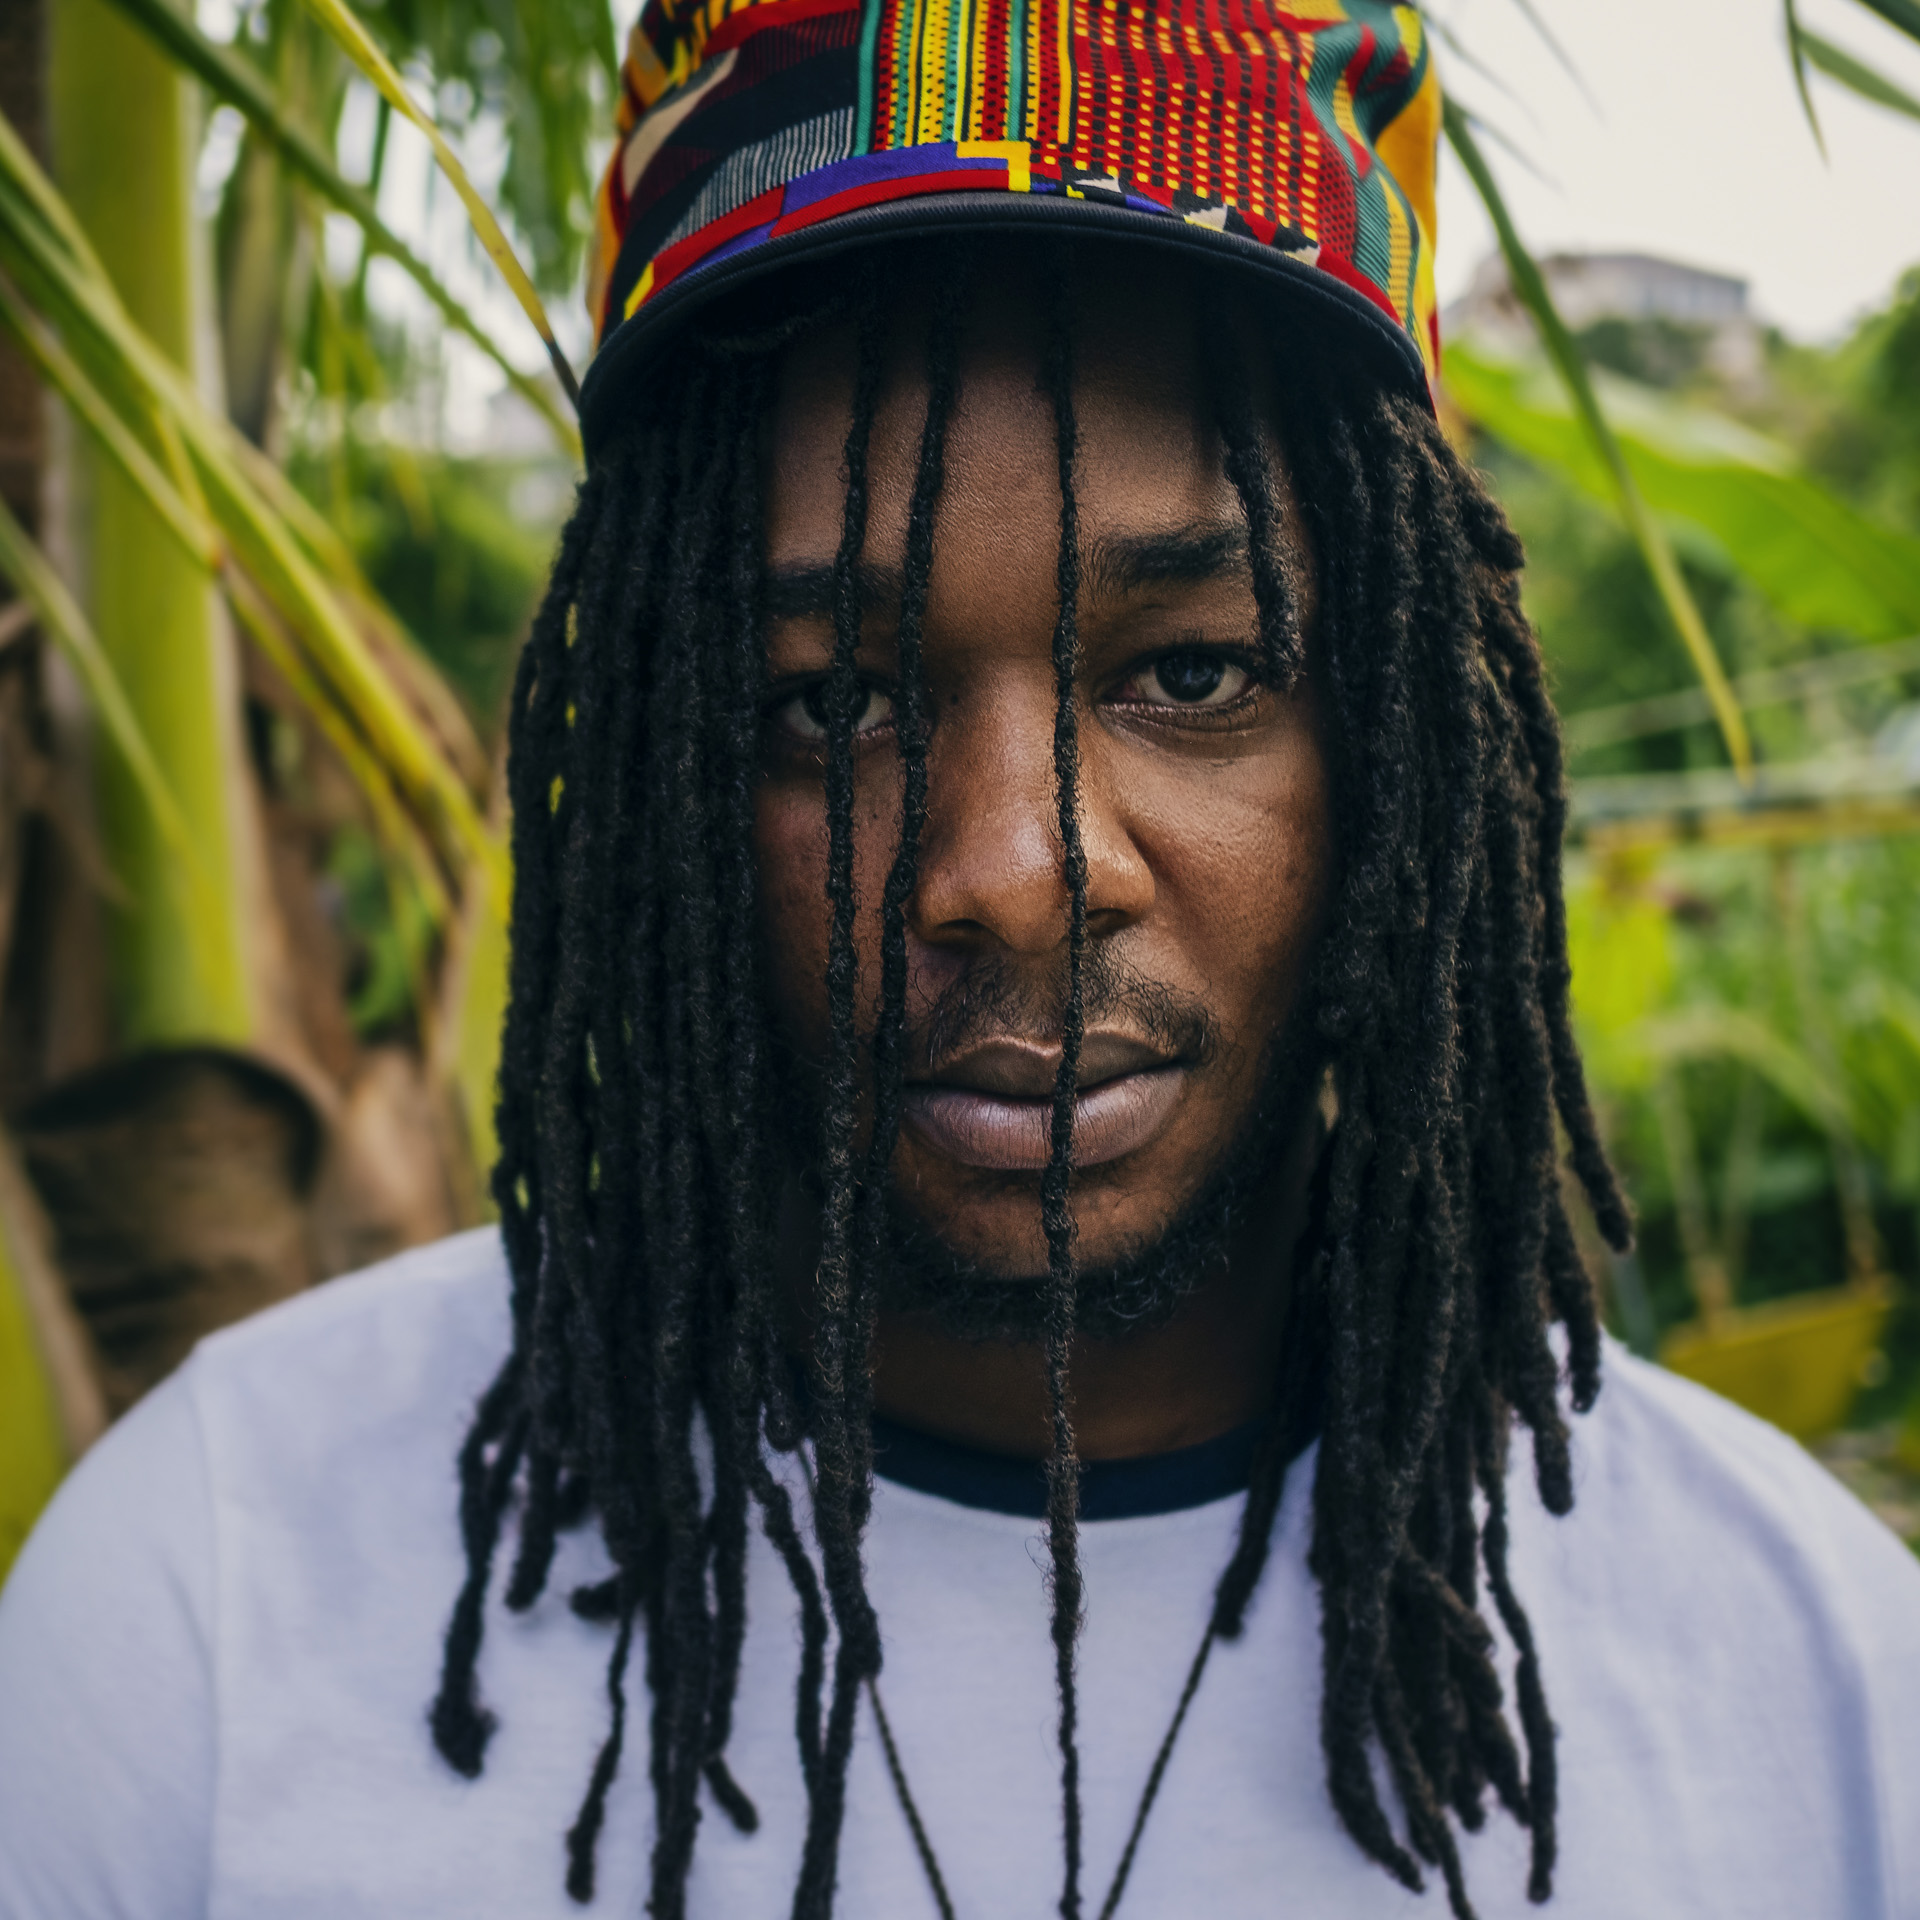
[999,998]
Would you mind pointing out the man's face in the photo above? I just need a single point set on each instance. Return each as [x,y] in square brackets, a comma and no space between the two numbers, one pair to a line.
[1203,794]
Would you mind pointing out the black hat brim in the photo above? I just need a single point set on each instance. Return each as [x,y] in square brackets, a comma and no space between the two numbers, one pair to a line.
[630,360]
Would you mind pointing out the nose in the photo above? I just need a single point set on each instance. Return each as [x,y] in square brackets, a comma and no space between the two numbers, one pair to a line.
[991,867]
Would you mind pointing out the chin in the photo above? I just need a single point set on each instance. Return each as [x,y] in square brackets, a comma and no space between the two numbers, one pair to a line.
[994,1286]
[998,1235]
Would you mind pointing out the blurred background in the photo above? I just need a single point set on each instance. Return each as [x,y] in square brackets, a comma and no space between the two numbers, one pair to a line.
[283,454]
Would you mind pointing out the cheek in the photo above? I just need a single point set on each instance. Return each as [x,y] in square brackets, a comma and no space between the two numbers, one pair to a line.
[1243,866]
[790,850]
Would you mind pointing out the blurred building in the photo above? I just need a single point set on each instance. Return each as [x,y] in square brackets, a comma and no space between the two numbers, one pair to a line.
[1669,318]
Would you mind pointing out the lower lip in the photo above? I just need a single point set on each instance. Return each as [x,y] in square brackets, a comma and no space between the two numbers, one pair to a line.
[1116,1118]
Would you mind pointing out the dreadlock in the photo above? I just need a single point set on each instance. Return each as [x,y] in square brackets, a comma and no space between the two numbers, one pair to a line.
[648,1378]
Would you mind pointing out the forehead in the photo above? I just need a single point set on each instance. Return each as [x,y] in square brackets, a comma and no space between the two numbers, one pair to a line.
[1148,458]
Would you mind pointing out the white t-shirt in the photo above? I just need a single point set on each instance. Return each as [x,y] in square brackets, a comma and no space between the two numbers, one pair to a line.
[217,1651]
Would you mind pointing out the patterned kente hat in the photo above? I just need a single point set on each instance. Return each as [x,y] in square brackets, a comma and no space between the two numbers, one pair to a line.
[1294,136]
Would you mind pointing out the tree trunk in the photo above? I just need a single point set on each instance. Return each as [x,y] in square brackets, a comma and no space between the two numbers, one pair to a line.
[125,142]
[23,420]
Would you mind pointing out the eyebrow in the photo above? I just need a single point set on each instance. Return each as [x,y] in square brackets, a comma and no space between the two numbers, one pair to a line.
[1120,564]
[1113,566]
[808,593]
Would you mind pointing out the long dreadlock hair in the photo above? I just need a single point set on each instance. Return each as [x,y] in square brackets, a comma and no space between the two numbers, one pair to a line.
[639,1152]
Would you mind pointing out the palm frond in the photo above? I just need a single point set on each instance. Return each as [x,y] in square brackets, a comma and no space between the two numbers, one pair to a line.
[1530,287]
[360,47]
[1903,14]
[1458,48]
[65,376]
[272,548]
[233,80]
[67,627]
[1551,41]
[1797,55]
[1838,64]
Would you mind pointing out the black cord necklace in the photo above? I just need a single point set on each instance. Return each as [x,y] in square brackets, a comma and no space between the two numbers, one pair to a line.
[923,1845]
[1288,1438]
[1148,1794]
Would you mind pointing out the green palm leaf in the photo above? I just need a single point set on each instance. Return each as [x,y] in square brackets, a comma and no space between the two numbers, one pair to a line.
[1530,286]
[233,80]
[1797,53]
[62,621]
[1819,561]
[360,47]
[1904,14]
[1838,64]
[109,367]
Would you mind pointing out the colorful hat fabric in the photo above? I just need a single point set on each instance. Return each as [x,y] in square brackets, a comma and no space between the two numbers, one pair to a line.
[1298,138]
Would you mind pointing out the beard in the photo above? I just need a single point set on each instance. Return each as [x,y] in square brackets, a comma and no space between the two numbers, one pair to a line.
[922,1274]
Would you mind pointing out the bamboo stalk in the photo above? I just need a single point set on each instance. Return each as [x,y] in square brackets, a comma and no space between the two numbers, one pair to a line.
[181,953]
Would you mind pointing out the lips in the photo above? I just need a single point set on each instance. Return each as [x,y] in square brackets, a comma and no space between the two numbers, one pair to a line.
[994,1107]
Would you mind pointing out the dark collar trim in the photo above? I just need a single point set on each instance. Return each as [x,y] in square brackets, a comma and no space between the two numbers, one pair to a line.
[1109,1489]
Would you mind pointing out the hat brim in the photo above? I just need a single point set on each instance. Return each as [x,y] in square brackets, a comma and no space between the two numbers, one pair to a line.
[1300,293]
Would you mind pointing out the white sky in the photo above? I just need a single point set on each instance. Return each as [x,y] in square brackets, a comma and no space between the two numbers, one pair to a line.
[1699,150]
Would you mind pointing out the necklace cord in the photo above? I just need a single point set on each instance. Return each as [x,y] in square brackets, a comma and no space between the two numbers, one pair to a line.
[922,1844]
[1151,1791]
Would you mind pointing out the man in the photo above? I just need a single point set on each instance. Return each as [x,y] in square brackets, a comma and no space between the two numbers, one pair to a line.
[1039,1012]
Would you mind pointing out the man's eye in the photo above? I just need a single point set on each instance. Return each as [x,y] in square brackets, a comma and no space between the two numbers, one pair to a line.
[1190,679]
[805,716]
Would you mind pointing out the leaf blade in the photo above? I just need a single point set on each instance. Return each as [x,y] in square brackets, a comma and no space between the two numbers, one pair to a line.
[1797,57]
[62,621]
[1903,14]
[360,47]
[260,539]
[232,80]
[1531,288]
[1838,64]
[1819,561]
[64,374]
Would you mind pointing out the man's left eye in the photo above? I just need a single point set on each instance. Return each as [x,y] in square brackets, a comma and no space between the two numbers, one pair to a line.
[1189,679]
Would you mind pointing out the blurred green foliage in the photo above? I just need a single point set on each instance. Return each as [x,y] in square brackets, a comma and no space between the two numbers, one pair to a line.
[390,938]
[1764,1001]
[546,71]
[459,548]
[537,80]
[350,393]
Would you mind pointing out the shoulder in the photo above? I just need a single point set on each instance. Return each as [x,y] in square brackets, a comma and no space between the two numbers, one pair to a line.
[389,1341]
[330,1419]
[330,1424]
[1734,1649]
[1697,1469]
[415,1337]
[1693,1497]
[279,1406]
[425,1316]
[268,1537]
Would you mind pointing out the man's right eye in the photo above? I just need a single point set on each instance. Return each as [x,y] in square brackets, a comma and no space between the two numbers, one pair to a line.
[804,715]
